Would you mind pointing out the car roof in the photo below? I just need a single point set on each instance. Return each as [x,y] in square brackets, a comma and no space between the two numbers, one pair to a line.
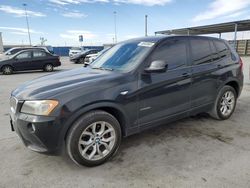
[30,50]
[159,38]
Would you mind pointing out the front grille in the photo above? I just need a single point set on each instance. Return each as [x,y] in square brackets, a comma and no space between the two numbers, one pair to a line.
[13,104]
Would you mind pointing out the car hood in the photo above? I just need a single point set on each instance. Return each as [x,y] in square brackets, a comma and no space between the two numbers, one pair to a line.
[49,87]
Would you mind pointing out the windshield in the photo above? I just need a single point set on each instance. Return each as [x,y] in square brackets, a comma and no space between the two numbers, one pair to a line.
[123,56]
[8,52]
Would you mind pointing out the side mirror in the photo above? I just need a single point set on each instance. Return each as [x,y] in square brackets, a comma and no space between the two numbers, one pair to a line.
[157,66]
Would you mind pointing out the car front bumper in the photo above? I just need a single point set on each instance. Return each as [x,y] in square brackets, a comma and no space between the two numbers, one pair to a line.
[38,133]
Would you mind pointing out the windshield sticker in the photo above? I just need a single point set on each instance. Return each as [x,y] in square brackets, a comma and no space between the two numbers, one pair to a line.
[146,44]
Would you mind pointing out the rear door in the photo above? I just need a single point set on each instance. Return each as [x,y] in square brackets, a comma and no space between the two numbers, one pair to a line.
[40,58]
[204,72]
[23,61]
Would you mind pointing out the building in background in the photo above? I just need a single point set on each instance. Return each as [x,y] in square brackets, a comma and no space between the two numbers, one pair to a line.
[1,43]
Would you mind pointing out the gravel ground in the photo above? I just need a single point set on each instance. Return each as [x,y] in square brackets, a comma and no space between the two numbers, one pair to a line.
[193,152]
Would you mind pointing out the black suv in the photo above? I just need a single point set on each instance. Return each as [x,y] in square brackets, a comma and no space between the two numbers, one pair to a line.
[135,85]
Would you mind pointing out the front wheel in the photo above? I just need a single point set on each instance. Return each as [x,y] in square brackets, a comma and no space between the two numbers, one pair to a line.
[7,70]
[93,138]
[225,103]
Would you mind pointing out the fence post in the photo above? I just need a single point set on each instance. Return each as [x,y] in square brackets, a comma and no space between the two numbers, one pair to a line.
[245,50]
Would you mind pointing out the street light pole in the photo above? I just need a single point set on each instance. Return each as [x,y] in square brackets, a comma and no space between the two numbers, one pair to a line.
[146,25]
[27,21]
[115,26]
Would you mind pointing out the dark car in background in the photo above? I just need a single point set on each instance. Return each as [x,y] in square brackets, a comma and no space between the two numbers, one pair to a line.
[80,57]
[136,85]
[32,59]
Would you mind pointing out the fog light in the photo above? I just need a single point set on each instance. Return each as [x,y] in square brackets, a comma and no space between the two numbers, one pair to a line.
[31,127]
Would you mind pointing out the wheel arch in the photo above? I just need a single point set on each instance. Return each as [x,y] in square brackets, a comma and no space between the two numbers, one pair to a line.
[109,107]
[1,68]
[234,84]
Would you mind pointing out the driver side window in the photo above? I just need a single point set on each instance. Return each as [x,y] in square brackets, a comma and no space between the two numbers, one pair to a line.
[172,52]
[24,55]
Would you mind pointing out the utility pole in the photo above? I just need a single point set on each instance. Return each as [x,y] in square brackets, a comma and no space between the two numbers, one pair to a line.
[1,43]
[27,21]
[146,25]
[115,26]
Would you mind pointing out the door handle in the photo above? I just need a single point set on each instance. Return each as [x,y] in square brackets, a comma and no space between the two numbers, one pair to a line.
[185,75]
[219,66]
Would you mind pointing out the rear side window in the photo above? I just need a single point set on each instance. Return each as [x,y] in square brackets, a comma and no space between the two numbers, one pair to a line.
[201,51]
[173,52]
[39,54]
[222,49]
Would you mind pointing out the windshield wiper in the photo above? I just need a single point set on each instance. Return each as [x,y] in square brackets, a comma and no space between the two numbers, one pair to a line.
[102,68]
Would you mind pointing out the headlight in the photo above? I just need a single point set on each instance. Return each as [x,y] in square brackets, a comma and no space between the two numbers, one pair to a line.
[40,107]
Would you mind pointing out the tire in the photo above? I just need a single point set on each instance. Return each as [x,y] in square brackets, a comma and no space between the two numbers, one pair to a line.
[7,70]
[223,107]
[48,68]
[83,145]
[81,60]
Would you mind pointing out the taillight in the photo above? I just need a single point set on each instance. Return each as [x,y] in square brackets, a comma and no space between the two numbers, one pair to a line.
[241,64]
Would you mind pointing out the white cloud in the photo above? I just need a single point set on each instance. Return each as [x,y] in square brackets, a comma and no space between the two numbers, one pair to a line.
[20,12]
[74,15]
[237,14]
[144,2]
[74,35]
[222,8]
[18,30]
[67,2]
[138,2]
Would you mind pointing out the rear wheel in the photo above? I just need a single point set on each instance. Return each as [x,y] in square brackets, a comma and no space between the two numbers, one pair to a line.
[225,103]
[7,70]
[48,68]
[94,138]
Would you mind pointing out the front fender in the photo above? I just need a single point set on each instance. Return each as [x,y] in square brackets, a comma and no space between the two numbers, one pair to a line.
[66,125]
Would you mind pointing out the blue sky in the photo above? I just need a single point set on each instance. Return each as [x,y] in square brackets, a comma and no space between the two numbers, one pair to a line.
[62,21]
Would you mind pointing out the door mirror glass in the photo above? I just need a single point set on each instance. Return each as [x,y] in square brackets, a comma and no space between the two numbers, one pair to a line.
[157,66]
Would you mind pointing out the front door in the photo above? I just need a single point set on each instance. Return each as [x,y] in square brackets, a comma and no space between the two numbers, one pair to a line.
[162,95]
[23,61]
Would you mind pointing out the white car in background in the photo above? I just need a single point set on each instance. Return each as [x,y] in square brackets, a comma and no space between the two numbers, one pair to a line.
[74,51]
[92,57]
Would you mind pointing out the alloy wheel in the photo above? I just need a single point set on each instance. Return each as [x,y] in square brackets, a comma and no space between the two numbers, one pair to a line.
[227,103]
[7,70]
[49,68]
[97,140]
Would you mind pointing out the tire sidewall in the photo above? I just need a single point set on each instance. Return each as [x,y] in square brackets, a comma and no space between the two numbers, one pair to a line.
[81,124]
[222,92]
